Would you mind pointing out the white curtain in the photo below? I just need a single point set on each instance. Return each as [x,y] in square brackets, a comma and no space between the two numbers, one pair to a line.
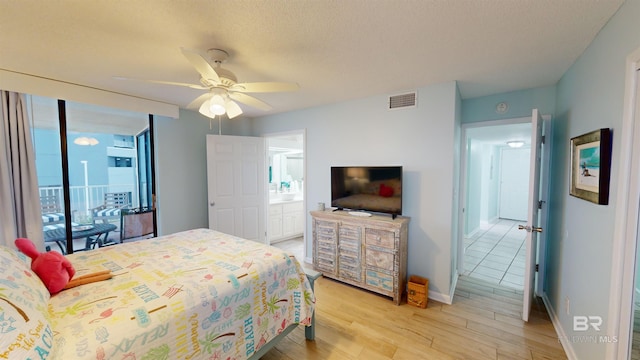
[19,197]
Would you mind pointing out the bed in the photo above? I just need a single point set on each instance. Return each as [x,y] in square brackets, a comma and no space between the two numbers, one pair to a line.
[198,294]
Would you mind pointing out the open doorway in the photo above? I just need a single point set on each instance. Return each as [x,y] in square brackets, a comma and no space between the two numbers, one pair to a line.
[286,195]
[497,182]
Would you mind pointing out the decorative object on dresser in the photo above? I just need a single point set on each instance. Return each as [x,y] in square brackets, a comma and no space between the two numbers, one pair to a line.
[367,252]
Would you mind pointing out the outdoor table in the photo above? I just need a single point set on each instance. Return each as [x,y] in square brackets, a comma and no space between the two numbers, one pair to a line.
[94,234]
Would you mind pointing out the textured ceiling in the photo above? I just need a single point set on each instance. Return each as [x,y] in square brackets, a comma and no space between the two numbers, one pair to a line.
[335,50]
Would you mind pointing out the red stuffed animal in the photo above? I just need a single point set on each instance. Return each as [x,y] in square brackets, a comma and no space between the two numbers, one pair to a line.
[52,268]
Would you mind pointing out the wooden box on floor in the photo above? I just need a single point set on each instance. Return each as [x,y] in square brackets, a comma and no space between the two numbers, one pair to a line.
[418,291]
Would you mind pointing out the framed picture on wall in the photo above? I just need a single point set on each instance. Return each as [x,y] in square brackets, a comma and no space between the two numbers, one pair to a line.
[591,166]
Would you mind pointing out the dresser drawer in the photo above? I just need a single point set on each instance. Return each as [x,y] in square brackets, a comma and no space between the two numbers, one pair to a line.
[379,259]
[326,229]
[350,232]
[350,252]
[350,275]
[326,239]
[325,264]
[379,279]
[379,237]
[349,261]
[326,247]
[350,245]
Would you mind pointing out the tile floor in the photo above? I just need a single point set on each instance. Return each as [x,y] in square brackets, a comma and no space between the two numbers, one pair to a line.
[496,254]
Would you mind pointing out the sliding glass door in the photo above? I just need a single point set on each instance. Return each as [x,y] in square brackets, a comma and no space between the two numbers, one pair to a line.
[145,186]
[96,174]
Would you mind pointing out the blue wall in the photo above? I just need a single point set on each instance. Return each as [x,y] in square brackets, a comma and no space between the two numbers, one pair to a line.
[421,139]
[590,96]
[520,103]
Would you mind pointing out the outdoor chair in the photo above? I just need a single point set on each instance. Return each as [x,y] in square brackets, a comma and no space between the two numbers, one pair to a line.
[136,223]
[112,206]
[52,214]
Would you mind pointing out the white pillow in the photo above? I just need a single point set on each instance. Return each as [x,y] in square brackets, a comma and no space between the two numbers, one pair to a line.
[25,331]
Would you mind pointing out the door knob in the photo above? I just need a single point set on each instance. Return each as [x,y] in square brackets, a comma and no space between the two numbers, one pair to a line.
[213,203]
[530,228]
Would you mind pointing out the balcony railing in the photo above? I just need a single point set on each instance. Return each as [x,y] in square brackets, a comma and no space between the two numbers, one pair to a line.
[85,198]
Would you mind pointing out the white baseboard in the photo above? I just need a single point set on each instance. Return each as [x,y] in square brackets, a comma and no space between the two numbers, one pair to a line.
[562,336]
[445,298]
[440,297]
[473,232]
[308,260]
[484,224]
[487,223]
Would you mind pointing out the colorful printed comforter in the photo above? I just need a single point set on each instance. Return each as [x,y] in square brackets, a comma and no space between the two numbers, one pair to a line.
[194,294]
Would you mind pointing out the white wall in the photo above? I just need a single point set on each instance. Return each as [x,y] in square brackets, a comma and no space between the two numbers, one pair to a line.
[490,184]
[514,183]
[483,164]
[475,173]
[493,183]
[422,140]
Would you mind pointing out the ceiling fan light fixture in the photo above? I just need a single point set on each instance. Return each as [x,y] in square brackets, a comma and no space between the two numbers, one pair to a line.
[515,143]
[216,105]
[233,109]
[86,141]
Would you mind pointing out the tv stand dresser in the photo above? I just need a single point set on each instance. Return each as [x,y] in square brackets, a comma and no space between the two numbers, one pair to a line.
[367,252]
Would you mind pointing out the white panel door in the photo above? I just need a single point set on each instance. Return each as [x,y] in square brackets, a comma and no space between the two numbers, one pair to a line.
[236,183]
[532,227]
[514,183]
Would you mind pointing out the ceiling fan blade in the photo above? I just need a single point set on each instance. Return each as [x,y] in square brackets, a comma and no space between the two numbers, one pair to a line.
[233,109]
[201,64]
[193,86]
[199,100]
[250,100]
[261,87]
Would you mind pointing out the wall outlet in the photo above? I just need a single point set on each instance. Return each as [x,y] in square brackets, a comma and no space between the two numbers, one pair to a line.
[567,305]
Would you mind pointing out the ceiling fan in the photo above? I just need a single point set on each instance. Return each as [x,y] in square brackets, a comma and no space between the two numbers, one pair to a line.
[223,87]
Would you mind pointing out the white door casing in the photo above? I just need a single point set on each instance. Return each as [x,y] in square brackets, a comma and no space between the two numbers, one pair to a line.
[627,228]
[236,184]
[543,217]
[533,226]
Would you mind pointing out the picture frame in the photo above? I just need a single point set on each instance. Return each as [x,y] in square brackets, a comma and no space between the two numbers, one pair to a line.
[591,166]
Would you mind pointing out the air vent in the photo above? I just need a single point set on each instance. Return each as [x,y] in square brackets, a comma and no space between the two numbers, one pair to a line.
[403,101]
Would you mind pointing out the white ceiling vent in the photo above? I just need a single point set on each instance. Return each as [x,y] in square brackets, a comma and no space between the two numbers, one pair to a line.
[402,101]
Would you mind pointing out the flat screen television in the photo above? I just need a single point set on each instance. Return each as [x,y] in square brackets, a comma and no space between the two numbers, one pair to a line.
[368,188]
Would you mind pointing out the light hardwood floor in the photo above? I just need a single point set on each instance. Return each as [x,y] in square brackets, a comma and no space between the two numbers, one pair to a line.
[482,323]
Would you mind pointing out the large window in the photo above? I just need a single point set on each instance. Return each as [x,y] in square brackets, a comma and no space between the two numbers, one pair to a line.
[101,178]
